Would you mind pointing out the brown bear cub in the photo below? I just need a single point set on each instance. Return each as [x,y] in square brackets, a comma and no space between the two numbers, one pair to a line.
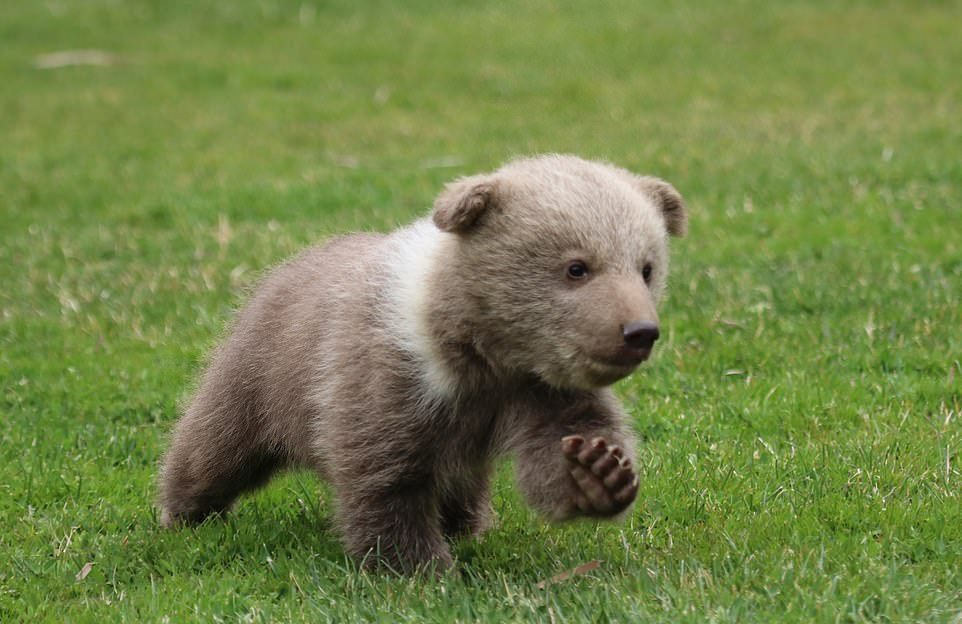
[400,366]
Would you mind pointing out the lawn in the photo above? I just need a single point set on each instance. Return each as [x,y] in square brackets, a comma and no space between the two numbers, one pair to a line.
[801,419]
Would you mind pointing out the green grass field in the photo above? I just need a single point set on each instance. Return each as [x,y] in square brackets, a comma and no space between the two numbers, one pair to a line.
[801,420]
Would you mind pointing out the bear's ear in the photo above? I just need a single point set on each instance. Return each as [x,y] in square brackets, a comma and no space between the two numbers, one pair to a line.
[462,202]
[668,200]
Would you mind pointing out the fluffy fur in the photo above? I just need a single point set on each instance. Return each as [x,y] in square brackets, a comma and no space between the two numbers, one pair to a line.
[400,366]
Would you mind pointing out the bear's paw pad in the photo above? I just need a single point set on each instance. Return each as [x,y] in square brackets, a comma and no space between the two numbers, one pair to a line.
[606,481]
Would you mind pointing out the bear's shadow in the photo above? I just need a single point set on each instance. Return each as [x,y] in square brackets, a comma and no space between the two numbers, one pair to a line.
[292,518]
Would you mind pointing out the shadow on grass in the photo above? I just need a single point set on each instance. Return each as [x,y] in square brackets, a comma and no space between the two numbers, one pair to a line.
[289,525]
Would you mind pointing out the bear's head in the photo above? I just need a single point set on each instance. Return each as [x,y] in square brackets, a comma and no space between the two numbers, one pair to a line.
[563,261]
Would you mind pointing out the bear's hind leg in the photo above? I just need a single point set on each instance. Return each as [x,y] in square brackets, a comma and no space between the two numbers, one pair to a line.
[211,461]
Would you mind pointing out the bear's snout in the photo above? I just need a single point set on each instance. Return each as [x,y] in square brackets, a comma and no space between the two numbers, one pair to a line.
[639,339]
[640,335]
[628,328]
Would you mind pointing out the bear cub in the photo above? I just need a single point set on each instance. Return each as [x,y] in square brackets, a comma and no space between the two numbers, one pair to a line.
[400,366]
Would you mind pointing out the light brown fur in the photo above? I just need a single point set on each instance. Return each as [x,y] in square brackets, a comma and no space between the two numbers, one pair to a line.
[400,366]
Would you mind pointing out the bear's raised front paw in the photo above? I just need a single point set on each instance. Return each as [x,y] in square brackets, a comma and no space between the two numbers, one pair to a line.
[606,481]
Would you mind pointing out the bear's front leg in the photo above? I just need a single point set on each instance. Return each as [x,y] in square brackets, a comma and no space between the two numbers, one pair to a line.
[574,455]
[466,505]
[398,529]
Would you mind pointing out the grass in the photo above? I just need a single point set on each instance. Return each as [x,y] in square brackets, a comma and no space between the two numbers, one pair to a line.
[801,420]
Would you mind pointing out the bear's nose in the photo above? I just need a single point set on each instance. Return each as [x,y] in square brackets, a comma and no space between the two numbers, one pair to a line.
[641,334]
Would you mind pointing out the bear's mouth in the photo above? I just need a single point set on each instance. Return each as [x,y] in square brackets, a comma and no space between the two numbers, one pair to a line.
[625,357]
[628,357]
[606,369]
[601,369]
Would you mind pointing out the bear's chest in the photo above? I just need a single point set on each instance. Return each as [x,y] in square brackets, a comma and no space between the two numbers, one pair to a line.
[464,433]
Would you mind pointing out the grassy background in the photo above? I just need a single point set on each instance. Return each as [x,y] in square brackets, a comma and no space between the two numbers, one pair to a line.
[801,421]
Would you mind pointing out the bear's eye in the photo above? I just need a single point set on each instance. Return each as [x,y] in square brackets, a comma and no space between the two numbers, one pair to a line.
[576,270]
[646,273]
